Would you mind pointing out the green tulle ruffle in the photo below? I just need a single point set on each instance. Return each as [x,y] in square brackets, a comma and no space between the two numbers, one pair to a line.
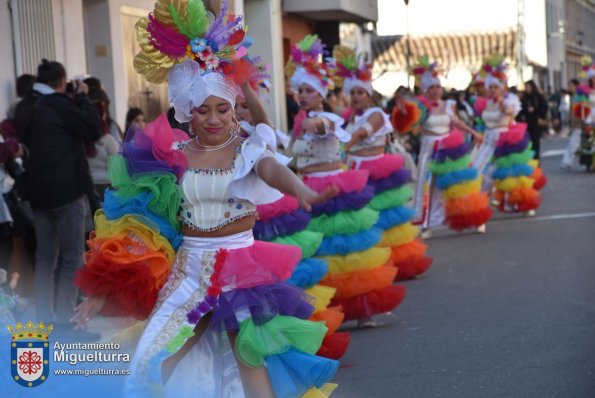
[516,158]
[255,342]
[449,165]
[344,222]
[308,241]
[166,201]
[392,198]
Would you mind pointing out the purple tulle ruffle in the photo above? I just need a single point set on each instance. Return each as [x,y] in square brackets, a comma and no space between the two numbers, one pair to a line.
[451,153]
[506,150]
[263,303]
[142,161]
[395,180]
[283,225]
[346,201]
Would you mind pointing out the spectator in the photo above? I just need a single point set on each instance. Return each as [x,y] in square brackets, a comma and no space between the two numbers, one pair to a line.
[134,118]
[53,127]
[534,113]
[24,87]
[99,151]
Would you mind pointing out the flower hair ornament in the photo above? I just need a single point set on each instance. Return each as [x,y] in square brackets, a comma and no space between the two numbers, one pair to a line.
[306,65]
[196,55]
[426,73]
[587,67]
[351,70]
[493,71]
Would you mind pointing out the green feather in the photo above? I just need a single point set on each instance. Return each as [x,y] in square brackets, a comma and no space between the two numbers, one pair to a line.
[305,44]
[178,21]
[197,18]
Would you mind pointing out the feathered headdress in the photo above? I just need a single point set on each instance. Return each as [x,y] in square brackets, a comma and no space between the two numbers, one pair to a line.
[306,65]
[259,79]
[587,67]
[426,73]
[351,70]
[494,70]
[199,57]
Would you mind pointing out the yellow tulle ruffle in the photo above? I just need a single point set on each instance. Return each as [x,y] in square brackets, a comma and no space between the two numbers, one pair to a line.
[368,259]
[463,189]
[322,296]
[512,183]
[323,392]
[399,235]
[129,224]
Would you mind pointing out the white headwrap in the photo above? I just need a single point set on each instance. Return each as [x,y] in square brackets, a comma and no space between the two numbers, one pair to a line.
[188,89]
[301,76]
[491,79]
[591,72]
[428,80]
[351,82]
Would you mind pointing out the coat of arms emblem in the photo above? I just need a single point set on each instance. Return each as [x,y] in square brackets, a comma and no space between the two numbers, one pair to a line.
[30,353]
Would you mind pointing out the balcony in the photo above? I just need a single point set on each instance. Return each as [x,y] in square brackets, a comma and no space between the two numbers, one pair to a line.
[357,11]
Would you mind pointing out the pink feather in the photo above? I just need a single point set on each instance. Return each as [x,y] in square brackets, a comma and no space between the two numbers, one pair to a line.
[165,39]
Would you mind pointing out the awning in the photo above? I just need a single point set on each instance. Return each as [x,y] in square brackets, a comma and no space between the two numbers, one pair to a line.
[467,50]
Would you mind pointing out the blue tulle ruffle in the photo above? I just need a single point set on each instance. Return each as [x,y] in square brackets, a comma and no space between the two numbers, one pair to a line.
[308,272]
[394,216]
[345,244]
[447,180]
[294,372]
[115,207]
[515,170]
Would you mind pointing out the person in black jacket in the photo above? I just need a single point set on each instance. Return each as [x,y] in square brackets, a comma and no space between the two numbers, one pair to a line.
[54,128]
[534,113]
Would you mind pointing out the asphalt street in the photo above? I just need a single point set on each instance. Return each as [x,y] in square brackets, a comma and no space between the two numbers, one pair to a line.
[507,314]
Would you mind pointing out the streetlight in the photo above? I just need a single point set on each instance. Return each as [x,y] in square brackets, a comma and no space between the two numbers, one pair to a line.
[408,57]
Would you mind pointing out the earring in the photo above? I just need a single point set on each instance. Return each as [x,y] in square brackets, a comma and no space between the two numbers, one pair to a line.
[236,129]
[190,130]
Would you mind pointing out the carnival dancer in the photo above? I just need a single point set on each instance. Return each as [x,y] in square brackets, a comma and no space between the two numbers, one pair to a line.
[498,117]
[345,221]
[443,160]
[285,222]
[570,158]
[583,108]
[224,322]
[249,108]
[370,127]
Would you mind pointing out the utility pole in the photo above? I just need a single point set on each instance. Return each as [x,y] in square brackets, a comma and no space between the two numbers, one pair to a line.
[408,56]
[520,51]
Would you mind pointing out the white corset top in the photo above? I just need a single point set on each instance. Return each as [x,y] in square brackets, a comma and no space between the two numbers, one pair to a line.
[437,123]
[494,118]
[207,204]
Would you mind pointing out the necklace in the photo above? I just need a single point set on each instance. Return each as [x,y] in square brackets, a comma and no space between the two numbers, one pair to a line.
[209,148]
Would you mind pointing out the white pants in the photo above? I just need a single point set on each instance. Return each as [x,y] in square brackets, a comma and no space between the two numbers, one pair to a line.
[569,159]
[435,214]
[480,158]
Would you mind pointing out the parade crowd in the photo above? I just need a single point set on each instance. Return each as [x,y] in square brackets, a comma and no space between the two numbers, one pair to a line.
[244,248]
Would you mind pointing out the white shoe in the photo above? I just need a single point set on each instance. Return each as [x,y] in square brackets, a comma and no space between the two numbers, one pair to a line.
[482,229]
[426,234]
[366,323]
[495,203]
[530,213]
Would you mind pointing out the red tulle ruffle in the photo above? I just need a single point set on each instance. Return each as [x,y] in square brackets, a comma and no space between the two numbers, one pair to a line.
[403,120]
[334,346]
[412,268]
[540,179]
[372,303]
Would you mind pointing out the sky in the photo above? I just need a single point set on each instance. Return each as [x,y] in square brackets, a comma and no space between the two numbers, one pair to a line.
[445,16]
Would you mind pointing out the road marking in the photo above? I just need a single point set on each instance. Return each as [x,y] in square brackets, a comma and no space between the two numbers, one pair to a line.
[553,152]
[562,216]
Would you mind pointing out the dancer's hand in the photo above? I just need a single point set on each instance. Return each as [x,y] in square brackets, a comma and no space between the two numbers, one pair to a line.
[87,310]
[355,138]
[307,197]
[14,280]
